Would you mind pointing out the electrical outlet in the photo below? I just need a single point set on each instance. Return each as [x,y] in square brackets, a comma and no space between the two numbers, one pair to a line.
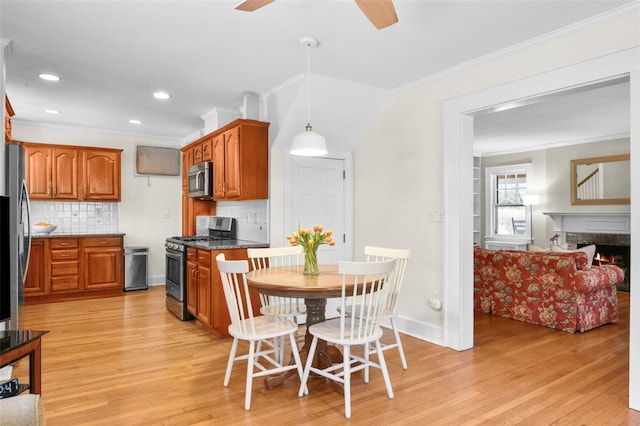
[435,302]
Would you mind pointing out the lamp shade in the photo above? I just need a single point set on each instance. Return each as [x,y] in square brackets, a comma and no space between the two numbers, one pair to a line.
[309,144]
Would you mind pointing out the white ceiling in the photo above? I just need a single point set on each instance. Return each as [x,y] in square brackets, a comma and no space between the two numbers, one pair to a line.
[113,55]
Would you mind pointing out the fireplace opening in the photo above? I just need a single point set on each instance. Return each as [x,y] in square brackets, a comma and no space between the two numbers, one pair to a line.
[610,249]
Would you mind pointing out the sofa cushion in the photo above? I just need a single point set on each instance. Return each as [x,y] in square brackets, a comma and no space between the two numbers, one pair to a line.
[589,250]
[22,410]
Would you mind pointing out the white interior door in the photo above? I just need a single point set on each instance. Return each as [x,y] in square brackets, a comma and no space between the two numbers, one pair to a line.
[318,198]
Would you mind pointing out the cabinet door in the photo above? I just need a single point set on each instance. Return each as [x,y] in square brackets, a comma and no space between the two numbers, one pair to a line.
[207,150]
[188,216]
[232,176]
[102,268]
[38,172]
[100,175]
[192,288]
[64,173]
[204,295]
[34,284]
[218,167]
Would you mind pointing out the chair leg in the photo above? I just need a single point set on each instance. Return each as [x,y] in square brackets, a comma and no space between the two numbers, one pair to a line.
[250,361]
[366,368]
[383,368]
[399,343]
[232,356]
[296,357]
[307,368]
[347,381]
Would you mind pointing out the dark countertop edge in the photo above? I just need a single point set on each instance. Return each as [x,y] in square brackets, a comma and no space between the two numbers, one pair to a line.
[224,245]
[61,235]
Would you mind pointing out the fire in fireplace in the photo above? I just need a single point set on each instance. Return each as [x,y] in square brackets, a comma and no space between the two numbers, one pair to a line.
[610,249]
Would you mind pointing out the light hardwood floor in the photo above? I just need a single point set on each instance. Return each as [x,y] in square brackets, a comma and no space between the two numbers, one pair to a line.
[127,361]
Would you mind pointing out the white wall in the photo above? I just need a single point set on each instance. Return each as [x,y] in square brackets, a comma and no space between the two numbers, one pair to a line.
[143,198]
[398,168]
[550,180]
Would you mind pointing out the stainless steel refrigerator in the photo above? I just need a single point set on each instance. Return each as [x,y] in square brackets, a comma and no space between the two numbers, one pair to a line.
[19,227]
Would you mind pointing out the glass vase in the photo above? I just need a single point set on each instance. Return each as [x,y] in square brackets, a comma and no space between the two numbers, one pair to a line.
[310,261]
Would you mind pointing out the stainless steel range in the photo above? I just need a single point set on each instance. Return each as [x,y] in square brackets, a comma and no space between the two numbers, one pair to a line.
[210,229]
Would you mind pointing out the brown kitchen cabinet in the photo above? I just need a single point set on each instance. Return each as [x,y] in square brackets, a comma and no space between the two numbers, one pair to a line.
[64,261]
[103,263]
[8,113]
[100,177]
[205,295]
[192,281]
[240,157]
[35,282]
[70,268]
[72,173]
[204,303]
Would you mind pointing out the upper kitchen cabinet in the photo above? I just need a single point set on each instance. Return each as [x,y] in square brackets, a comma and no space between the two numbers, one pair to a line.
[100,175]
[240,155]
[72,173]
[240,161]
[8,113]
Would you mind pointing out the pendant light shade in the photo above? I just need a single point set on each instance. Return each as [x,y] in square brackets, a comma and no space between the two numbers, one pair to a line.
[309,143]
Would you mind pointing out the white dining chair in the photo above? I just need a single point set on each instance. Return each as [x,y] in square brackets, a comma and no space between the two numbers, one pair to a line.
[287,307]
[255,330]
[371,282]
[377,254]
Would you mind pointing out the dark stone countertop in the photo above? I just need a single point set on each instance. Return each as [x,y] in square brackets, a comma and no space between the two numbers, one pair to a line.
[225,244]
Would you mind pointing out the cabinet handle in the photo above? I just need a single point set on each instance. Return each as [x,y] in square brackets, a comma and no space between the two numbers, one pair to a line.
[64,244]
[64,255]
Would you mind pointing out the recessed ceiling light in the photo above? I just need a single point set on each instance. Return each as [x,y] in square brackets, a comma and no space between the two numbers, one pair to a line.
[132,121]
[161,95]
[49,77]
[52,111]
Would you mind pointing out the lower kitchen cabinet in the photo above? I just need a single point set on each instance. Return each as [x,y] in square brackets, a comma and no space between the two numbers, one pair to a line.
[103,263]
[205,295]
[35,283]
[78,267]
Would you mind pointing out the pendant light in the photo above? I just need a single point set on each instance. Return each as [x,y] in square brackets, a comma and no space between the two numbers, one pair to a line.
[309,143]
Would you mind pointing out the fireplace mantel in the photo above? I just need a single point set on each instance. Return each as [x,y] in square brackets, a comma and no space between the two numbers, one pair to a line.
[589,222]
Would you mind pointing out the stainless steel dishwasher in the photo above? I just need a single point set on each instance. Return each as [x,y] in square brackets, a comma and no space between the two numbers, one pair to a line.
[136,266]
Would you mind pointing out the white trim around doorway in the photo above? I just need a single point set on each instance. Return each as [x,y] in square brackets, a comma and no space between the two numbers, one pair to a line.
[458,163]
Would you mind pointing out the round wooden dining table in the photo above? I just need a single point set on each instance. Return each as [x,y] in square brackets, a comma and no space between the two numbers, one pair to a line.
[314,289]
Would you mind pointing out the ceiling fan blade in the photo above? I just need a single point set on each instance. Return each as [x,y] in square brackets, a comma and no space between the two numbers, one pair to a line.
[251,5]
[381,13]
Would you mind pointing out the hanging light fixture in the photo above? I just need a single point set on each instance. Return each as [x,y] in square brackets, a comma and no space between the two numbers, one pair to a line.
[309,143]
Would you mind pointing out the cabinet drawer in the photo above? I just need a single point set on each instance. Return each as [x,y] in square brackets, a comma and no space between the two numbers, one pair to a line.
[63,243]
[192,254]
[204,257]
[65,268]
[65,283]
[102,242]
[62,255]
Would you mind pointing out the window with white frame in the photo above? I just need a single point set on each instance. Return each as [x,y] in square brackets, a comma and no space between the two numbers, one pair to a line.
[507,215]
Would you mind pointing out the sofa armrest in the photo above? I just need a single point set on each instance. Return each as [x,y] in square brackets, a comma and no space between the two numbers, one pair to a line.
[598,277]
[22,410]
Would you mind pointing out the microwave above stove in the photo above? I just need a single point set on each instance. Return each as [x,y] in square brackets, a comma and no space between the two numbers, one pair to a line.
[200,180]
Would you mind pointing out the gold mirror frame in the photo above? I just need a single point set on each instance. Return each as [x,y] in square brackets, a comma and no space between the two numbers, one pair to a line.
[574,180]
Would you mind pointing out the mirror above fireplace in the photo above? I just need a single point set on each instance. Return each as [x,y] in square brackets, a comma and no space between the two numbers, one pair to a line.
[601,180]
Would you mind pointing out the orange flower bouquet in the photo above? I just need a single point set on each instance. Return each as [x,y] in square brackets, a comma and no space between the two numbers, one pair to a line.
[310,241]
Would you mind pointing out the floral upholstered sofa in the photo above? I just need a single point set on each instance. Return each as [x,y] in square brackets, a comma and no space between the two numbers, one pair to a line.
[550,289]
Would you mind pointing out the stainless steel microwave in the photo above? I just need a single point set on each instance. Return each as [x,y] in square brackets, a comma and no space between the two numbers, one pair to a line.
[200,178]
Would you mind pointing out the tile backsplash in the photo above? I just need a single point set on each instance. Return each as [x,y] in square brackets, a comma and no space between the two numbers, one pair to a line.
[252,218]
[76,217]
